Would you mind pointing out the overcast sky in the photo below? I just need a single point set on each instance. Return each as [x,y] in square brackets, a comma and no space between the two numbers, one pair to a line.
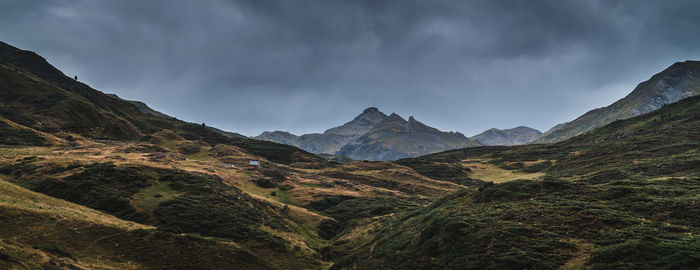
[305,66]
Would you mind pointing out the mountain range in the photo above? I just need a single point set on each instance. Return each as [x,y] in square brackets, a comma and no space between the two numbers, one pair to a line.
[330,141]
[373,135]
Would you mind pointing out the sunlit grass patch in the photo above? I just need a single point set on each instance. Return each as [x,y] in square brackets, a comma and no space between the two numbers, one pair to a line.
[202,155]
[13,196]
[148,198]
[482,170]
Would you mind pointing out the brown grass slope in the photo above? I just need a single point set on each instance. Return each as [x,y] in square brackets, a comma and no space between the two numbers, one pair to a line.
[44,232]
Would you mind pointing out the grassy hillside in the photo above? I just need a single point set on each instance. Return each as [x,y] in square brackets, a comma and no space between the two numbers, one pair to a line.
[48,233]
[620,197]
[174,201]
[632,204]
[286,216]
[36,95]
[547,224]
[680,80]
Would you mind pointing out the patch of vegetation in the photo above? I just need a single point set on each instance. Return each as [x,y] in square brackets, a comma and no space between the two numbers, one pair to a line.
[10,135]
[187,202]
[346,209]
[100,186]
[149,198]
[264,183]
[284,197]
[229,217]
[188,147]
[276,174]
[455,173]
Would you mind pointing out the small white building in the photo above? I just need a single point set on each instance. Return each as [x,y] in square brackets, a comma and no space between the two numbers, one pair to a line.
[254,163]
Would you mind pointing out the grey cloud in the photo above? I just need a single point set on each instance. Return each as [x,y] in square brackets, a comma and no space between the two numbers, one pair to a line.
[303,66]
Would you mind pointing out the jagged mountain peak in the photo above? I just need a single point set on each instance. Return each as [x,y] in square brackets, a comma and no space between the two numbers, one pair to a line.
[395,117]
[360,124]
[395,138]
[370,110]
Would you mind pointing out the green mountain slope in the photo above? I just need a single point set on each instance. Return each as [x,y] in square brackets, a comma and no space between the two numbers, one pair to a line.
[620,197]
[548,224]
[680,80]
[35,94]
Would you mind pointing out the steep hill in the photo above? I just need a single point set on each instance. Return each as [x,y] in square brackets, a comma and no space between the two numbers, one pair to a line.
[36,95]
[395,138]
[513,136]
[680,80]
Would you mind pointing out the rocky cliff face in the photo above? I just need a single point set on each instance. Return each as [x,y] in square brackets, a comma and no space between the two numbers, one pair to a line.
[395,138]
[513,136]
[681,80]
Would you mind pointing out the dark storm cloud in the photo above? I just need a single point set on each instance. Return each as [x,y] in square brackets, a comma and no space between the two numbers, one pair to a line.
[304,66]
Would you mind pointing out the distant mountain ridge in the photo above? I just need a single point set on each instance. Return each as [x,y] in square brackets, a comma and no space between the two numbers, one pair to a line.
[373,135]
[513,136]
[396,138]
[679,81]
